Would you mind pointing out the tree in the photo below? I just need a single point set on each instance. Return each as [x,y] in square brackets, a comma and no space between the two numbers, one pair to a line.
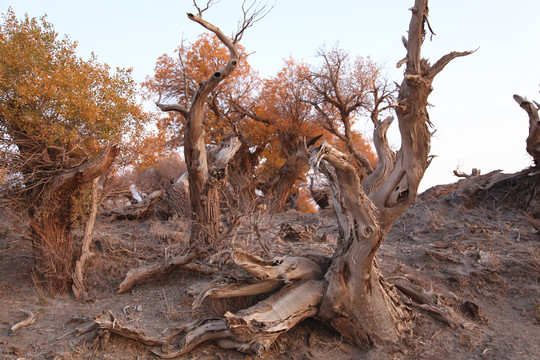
[61,122]
[177,79]
[341,90]
[351,296]
[207,173]
[280,107]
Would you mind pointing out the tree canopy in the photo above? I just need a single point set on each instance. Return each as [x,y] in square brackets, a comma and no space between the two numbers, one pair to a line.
[62,123]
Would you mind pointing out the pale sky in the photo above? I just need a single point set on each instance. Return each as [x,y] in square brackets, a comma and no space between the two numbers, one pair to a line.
[477,121]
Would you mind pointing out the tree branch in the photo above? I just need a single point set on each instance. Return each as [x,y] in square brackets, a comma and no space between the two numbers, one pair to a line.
[387,157]
[442,62]
[173,107]
[83,173]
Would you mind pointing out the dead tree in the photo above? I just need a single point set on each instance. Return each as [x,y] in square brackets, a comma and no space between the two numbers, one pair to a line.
[205,178]
[533,140]
[351,296]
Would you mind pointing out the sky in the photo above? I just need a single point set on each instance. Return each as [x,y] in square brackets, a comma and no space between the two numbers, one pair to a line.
[477,122]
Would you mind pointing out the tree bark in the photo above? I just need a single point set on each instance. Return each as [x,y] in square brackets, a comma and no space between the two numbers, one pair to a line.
[387,157]
[80,265]
[204,188]
[354,298]
[293,169]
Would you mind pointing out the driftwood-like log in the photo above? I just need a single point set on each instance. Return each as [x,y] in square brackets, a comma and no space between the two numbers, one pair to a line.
[138,210]
[135,276]
[109,323]
[26,322]
[245,288]
[473,184]
[287,269]
[257,327]
[78,284]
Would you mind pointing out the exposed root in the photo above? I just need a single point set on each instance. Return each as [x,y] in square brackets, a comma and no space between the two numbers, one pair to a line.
[135,276]
[28,321]
[249,288]
[108,322]
[289,268]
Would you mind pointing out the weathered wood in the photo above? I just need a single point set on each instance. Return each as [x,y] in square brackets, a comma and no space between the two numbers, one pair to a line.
[533,140]
[244,288]
[387,157]
[287,269]
[135,276]
[109,323]
[204,180]
[357,302]
[257,327]
[26,322]
[138,210]
[78,277]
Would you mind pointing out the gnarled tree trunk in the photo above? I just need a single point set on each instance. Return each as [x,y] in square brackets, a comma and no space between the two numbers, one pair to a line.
[52,241]
[205,184]
[353,297]
[358,303]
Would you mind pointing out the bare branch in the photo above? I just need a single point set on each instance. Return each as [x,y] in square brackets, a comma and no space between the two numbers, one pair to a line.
[442,62]
[250,15]
[209,3]
[173,107]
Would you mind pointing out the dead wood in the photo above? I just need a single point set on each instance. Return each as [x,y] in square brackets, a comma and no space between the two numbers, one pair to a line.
[210,330]
[257,327]
[78,277]
[471,185]
[135,276]
[320,196]
[136,211]
[244,288]
[108,322]
[28,321]
[421,300]
[287,269]
[297,233]
[533,139]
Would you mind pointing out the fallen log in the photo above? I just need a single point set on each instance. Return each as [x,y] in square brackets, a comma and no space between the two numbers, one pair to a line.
[135,276]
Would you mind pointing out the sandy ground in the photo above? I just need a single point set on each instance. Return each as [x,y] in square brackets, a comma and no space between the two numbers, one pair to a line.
[481,265]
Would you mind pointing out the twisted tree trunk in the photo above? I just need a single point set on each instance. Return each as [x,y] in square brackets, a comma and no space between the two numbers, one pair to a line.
[204,185]
[357,302]
[52,241]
